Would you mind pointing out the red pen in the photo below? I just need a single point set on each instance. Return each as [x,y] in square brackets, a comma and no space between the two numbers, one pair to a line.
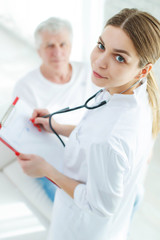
[10,109]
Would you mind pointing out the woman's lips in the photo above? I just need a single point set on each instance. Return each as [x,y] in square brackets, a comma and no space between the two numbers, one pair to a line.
[97,75]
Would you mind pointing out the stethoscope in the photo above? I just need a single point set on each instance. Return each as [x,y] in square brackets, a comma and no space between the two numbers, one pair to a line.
[85,105]
[65,110]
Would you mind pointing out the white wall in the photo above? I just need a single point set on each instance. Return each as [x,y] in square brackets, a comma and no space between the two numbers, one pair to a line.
[86,17]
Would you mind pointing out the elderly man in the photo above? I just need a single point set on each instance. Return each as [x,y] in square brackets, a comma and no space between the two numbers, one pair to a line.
[57,83]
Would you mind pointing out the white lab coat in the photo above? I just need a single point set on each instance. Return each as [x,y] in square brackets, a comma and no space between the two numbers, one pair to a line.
[107,153]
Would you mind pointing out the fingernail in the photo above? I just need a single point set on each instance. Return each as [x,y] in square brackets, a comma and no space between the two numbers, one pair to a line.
[17,153]
[38,127]
[32,120]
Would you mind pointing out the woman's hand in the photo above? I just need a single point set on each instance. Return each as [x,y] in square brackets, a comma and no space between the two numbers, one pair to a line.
[37,118]
[36,166]
[61,129]
[33,165]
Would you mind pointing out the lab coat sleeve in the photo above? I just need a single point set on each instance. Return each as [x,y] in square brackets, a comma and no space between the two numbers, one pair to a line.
[103,190]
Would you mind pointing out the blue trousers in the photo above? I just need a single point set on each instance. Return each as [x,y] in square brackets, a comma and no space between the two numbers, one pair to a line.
[48,186]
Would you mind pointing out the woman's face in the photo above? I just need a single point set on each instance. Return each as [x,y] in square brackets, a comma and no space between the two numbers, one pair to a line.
[114,61]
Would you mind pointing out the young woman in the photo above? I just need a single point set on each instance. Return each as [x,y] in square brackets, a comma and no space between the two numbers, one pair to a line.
[107,151]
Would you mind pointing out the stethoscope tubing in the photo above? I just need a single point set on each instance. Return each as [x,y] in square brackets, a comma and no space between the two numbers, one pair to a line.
[65,110]
[85,105]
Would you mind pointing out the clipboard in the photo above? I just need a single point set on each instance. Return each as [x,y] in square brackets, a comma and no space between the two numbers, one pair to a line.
[19,134]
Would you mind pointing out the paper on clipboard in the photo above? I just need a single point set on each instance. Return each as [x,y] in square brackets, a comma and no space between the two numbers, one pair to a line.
[20,135]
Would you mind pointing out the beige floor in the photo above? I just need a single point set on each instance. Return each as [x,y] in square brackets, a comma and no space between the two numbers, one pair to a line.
[16,58]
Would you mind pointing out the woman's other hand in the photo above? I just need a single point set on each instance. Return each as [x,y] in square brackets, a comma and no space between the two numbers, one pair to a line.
[33,165]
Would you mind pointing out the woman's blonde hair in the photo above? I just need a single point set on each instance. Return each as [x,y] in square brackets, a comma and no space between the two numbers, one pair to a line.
[144,31]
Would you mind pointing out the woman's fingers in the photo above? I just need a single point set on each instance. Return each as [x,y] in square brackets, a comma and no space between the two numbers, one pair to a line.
[22,156]
[40,120]
[32,165]
[37,119]
[39,113]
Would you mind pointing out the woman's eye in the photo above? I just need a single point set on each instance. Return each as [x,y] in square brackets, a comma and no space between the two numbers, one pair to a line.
[100,46]
[119,58]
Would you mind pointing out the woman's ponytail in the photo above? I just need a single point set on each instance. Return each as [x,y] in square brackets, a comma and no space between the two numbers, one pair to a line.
[144,31]
[154,99]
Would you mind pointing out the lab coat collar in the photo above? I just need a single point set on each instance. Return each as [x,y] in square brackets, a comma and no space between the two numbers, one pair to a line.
[129,100]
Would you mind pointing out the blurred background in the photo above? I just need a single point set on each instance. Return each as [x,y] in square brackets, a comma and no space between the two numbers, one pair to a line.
[18,20]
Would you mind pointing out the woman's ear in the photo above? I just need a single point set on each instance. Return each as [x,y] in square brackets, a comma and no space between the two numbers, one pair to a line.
[146,70]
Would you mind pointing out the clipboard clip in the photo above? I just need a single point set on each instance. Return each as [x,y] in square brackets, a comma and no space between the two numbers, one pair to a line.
[9,110]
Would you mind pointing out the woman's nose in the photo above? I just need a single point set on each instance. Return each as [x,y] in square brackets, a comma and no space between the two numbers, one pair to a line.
[102,61]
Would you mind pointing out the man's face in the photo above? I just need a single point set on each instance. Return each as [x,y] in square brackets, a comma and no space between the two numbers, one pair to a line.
[55,48]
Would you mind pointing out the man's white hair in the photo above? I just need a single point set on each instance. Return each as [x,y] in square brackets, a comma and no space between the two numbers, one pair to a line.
[52,25]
